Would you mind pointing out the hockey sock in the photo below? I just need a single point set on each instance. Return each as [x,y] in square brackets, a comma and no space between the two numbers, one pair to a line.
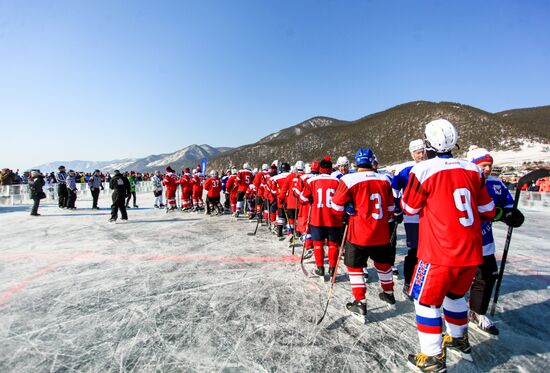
[455,312]
[240,205]
[385,276]
[319,252]
[430,326]
[358,288]
[332,253]
[272,217]
[308,242]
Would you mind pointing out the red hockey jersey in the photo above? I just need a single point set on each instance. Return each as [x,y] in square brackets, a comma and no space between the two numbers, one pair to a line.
[244,178]
[372,198]
[451,199]
[214,186]
[321,189]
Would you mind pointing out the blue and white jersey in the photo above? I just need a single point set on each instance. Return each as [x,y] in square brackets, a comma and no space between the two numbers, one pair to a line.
[224,183]
[398,184]
[502,198]
[61,177]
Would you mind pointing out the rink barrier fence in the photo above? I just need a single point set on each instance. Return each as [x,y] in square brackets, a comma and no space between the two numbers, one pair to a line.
[20,195]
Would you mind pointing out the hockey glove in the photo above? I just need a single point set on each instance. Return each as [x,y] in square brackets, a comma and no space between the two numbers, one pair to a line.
[498,214]
[398,218]
[349,208]
[513,217]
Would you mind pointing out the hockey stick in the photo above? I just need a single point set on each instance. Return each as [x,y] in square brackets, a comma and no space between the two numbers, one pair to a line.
[331,290]
[304,247]
[258,221]
[531,176]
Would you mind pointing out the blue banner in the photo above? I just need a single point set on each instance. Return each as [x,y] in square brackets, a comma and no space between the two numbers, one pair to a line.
[203,166]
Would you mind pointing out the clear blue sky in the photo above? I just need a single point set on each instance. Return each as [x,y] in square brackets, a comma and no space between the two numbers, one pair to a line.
[100,80]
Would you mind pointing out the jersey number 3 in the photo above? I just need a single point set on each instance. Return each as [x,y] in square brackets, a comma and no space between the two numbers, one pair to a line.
[462,199]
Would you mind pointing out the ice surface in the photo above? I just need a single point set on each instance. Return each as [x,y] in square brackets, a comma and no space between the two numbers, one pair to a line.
[186,292]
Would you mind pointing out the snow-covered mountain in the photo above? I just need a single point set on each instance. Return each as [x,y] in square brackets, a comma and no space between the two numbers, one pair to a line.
[189,156]
[86,166]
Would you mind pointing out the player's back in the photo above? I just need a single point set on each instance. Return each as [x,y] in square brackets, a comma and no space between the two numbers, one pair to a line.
[322,188]
[450,195]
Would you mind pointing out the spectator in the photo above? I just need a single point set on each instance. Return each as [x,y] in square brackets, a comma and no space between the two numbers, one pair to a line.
[132,180]
[36,184]
[62,191]
[7,177]
[94,183]
[121,187]
[71,189]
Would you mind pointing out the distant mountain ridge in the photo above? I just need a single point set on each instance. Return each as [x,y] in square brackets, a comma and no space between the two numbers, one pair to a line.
[189,156]
[389,132]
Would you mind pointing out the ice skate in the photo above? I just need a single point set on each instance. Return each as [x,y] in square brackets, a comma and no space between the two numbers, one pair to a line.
[112,221]
[358,310]
[318,271]
[308,253]
[387,297]
[425,363]
[459,346]
[331,271]
[395,271]
[483,324]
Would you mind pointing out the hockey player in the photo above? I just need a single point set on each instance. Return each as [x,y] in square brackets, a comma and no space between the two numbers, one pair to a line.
[170,182]
[233,190]
[62,192]
[259,184]
[277,183]
[487,271]
[120,186]
[325,224]
[270,197]
[244,179]
[452,201]
[157,189]
[372,205]
[343,167]
[304,214]
[186,189]
[197,182]
[224,190]
[290,199]
[399,182]
[213,186]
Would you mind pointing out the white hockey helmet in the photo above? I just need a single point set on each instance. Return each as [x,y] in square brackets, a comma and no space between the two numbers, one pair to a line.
[299,165]
[233,171]
[246,166]
[441,135]
[307,168]
[265,167]
[342,161]
[417,144]
[255,170]
[194,172]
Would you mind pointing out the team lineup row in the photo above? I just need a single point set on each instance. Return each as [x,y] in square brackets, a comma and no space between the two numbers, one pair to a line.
[447,206]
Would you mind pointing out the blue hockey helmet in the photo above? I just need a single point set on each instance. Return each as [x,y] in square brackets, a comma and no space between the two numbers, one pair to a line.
[365,158]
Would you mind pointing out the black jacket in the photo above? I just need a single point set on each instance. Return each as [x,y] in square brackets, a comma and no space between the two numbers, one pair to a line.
[36,185]
[120,185]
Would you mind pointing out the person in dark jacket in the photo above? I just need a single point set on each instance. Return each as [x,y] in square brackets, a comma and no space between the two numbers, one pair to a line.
[62,192]
[95,184]
[36,184]
[121,188]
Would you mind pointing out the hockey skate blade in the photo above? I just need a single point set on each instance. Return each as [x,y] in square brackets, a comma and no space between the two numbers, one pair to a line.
[414,368]
[358,318]
[460,354]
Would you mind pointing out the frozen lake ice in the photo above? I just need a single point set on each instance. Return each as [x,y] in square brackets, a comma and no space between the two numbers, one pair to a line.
[188,292]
